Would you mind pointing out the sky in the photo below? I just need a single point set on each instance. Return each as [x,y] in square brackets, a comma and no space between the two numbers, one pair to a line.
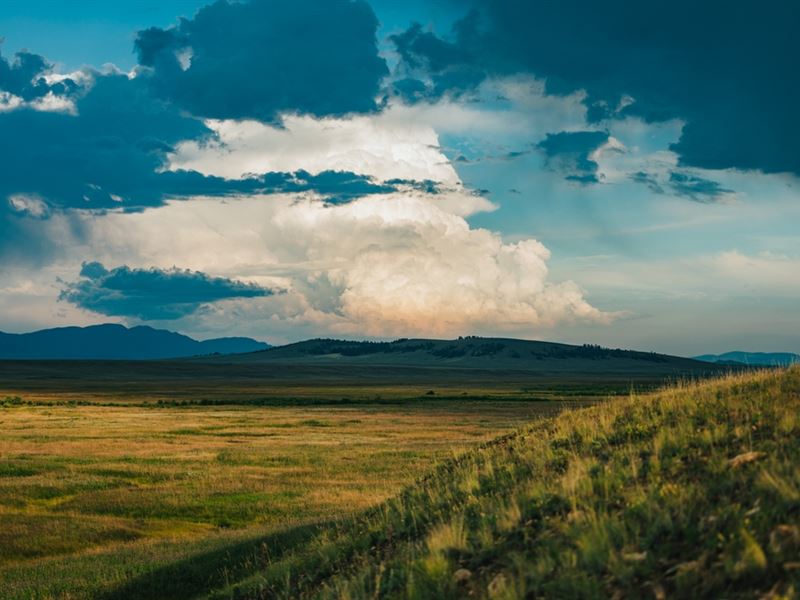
[610,173]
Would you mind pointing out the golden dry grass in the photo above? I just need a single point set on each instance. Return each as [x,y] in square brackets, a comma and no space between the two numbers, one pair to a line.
[86,489]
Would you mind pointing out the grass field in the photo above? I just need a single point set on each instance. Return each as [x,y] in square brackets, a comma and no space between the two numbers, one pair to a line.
[693,492]
[321,370]
[96,498]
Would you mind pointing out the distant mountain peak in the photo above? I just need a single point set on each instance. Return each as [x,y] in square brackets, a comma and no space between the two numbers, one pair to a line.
[115,341]
[767,359]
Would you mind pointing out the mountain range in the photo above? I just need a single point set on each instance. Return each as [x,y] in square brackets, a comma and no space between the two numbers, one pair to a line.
[116,342]
[331,366]
[767,359]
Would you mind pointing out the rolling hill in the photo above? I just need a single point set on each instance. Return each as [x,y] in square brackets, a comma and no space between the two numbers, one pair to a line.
[473,353]
[109,341]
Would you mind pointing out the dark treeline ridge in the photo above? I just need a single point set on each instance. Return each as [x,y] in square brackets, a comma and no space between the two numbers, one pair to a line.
[472,346]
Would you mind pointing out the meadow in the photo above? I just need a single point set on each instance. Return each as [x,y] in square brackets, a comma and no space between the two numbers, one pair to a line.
[403,491]
[112,497]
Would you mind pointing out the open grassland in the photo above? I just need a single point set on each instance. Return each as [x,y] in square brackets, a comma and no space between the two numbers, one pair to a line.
[692,492]
[154,501]
[213,382]
[401,490]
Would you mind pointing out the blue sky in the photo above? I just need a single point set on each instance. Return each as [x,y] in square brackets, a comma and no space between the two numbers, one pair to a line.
[582,173]
[90,32]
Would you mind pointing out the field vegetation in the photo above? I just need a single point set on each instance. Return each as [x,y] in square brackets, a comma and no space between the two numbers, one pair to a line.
[693,492]
[100,496]
[347,371]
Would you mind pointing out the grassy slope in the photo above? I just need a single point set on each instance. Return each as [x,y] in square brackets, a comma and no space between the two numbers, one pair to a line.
[642,497]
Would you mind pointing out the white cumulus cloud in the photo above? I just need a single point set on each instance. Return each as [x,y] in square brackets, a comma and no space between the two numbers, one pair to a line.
[376,145]
[399,264]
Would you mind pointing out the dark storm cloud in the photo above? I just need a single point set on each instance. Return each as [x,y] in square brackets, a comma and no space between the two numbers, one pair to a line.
[26,240]
[569,152]
[112,153]
[105,155]
[683,184]
[409,89]
[425,185]
[649,180]
[452,66]
[152,293]
[334,186]
[418,48]
[233,60]
[728,69]
[339,187]
[24,76]
[696,188]
[261,58]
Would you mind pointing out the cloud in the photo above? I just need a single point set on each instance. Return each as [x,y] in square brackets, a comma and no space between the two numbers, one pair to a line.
[396,264]
[648,179]
[120,148]
[24,80]
[390,145]
[30,206]
[152,294]
[686,304]
[105,155]
[259,59]
[756,272]
[331,186]
[336,186]
[571,152]
[684,184]
[112,151]
[696,188]
[32,234]
[101,140]
[400,142]
[727,276]
[727,72]
[451,67]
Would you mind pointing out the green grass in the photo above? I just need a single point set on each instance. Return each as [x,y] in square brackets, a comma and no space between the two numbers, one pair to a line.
[214,382]
[141,502]
[692,492]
